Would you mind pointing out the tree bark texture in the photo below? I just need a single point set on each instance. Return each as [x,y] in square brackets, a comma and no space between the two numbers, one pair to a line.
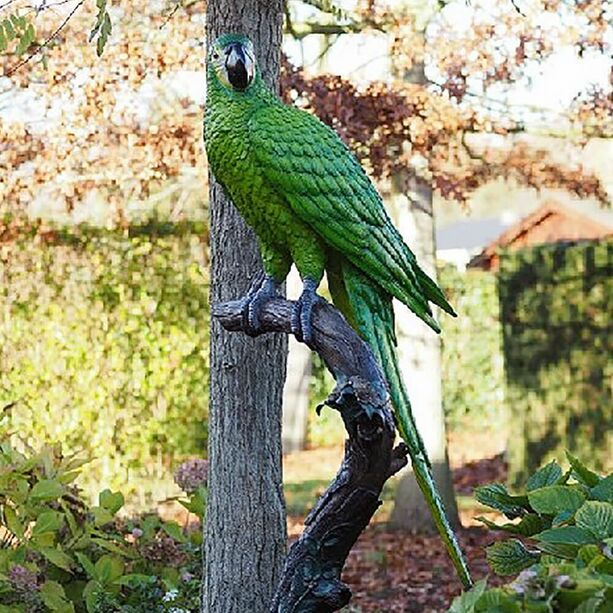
[311,577]
[245,534]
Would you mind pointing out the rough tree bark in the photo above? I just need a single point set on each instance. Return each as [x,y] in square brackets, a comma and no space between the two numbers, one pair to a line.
[245,538]
[311,577]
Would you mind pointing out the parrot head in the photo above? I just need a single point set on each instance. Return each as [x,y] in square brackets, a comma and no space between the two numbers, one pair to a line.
[232,58]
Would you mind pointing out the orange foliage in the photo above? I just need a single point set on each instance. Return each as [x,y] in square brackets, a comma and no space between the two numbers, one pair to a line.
[99,143]
[99,139]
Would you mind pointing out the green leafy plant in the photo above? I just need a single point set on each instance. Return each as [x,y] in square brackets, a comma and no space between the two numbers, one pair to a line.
[57,553]
[17,33]
[104,346]
[555,321]
[473,373]
[102,28]
[562,546]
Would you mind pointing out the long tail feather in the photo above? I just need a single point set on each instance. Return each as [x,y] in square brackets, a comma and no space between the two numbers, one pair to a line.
[372,313]
[433,292]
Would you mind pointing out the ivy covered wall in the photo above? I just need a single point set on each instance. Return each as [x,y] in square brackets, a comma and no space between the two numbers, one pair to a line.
[556,305]
[104,346]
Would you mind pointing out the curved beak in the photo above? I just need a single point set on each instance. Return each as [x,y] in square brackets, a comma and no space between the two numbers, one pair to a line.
[239,66]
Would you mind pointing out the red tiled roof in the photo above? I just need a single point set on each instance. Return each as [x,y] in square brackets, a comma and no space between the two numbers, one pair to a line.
[550,223]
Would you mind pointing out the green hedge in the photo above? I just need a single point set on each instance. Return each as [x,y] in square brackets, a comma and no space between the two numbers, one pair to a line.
[104,347]
[556,311]
[473,371]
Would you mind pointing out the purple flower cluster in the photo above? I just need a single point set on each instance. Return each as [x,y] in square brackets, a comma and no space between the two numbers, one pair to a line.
[190,475]
[22,579]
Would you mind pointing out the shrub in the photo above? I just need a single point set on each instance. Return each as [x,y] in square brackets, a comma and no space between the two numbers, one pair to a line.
[472,372]
[556,312]
[563,550]
[104,346]
[59,554]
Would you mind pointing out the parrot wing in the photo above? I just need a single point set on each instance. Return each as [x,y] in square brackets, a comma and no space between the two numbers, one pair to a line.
[309,165]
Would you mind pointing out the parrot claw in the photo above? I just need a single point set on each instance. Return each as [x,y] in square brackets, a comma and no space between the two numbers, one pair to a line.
[302,313]
[263,289]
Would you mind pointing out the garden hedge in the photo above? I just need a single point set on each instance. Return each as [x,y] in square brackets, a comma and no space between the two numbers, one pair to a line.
[104,347]
[556,319]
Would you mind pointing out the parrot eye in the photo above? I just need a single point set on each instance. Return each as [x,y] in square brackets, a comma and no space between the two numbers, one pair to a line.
[215,55]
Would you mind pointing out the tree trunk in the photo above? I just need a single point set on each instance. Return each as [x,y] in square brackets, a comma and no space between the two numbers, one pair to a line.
[245,533]
[419,352]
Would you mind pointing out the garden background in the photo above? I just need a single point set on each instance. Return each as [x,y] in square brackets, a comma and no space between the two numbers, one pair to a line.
[104,240]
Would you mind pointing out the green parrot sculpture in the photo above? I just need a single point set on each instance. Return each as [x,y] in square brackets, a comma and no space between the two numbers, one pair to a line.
[311,204]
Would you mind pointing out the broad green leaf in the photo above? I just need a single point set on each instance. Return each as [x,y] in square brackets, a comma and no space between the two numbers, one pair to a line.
[592,557]
[589,553]
[108,569]
[566,534]
[57,557]
[497,601]
[548,475]
[54,597]
[3,40]
[592,605]
[583,474]
[90,593]
[496,496]
[112,501]
[465,603]
[174,531]
[135,578]
[87,565]
[44,539]
[563,542]
[102,516]
[562,518]
[555,499]
[567,551]
[570,599]
[11,609]
[46,489]
[114,547]
[70,518]
[604,490]
[597,518]
[170,577]
[48,521]
[12,521]
[530,524]
[510,557]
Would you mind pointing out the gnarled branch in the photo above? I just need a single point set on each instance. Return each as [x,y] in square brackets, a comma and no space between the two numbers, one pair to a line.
[311,577]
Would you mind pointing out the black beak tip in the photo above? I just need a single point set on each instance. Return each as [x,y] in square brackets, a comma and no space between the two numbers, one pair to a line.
[236,67]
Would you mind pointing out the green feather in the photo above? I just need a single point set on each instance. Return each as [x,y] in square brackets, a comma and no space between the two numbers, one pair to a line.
[375,316]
